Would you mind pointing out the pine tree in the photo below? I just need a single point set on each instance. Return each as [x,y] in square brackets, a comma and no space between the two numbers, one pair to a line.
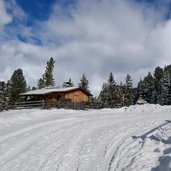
[122,91]
[158,74]
[84,83]
[154,97]
[140,90]
[17,85]
[110,93]
[103,96]
[6,94]
[128,94]
[70,83]
[146,87]
[47,78]
[113,93]
[41,83]
[149,87]
[2,95]
[165,97]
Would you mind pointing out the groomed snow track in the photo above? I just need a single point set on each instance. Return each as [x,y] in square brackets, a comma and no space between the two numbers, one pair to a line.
[95,140]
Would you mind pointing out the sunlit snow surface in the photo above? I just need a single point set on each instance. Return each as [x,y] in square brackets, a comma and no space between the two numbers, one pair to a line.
[137,138]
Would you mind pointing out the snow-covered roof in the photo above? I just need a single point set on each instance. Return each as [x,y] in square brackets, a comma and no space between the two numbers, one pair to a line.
[48,90]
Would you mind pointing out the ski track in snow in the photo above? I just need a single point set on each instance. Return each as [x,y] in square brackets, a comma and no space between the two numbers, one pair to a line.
[95,140]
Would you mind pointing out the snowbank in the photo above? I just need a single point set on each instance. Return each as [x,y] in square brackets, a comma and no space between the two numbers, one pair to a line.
[139,109]
[148,108]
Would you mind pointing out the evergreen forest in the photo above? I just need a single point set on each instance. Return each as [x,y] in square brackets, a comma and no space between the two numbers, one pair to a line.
[155,88]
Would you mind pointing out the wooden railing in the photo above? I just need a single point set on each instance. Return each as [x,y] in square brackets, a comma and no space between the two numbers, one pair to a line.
[29,104]
[67,104]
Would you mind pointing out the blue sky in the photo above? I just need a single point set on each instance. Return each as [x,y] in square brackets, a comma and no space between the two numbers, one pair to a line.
[41,9]
[91,37]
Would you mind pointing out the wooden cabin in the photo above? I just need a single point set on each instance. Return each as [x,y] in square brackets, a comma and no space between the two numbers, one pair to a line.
[58,96]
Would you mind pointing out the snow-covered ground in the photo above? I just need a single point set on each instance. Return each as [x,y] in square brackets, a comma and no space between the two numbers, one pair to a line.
[137,138]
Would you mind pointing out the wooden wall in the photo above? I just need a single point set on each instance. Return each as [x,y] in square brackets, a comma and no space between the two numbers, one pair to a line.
[77,96]
[74,96]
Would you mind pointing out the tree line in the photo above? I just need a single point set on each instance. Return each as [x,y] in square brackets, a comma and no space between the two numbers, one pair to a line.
[154,88]
[10,91]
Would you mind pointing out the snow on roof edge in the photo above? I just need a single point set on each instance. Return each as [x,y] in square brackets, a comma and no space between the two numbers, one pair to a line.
[47,90]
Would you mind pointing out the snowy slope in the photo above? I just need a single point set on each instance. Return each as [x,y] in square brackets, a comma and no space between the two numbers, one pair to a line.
[127,139]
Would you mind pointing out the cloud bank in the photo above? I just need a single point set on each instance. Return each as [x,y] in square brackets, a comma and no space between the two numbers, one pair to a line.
[91,37]
[4,17]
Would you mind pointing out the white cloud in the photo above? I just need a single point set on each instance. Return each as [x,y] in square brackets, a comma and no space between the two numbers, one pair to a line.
[31,58]
[104,35]
[95,38]
[4,17]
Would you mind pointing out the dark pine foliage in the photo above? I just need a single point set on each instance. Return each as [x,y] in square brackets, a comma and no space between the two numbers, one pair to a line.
[47,78]
[17,85]
[155,89]
[84,83]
